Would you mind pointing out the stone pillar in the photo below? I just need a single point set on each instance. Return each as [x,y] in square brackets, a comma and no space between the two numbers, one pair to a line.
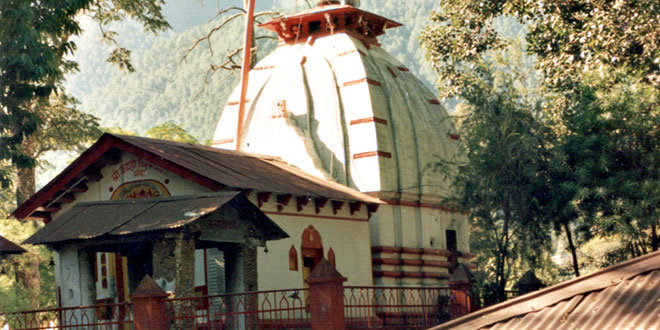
[241,276]
[174,263]
[149,306]
[326,297]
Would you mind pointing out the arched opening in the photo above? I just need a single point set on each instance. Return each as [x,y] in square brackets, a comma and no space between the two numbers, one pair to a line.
[311,249]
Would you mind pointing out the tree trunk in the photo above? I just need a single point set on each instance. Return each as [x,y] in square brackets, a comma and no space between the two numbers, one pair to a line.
[26,177]
[501,278]
[571,246]
[29,276]
[654,238]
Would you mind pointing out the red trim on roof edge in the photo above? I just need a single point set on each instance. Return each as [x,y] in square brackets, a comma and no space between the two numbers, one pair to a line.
[44,194]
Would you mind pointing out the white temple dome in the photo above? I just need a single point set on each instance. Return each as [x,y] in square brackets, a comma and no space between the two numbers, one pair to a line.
[331,101]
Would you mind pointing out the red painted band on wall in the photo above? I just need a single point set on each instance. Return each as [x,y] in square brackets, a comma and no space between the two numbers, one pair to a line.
[369,120]
[426,205]
[372,154]
[316,216]
[410,262]
[419,251]
[410,250]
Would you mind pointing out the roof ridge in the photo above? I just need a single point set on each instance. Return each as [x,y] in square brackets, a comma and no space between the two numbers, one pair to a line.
[537,300]
[198,146]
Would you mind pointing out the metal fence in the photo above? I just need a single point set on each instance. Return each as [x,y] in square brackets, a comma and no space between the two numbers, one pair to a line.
[369,307]
[399,307]
[102,317]
[275,309]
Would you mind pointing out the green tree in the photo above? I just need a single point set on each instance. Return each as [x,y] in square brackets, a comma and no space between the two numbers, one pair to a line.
[612,144]
[35,114]
[570,37]
[35,46]
[170,131]
[502,177]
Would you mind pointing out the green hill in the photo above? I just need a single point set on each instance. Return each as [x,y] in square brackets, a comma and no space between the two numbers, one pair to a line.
[162,89]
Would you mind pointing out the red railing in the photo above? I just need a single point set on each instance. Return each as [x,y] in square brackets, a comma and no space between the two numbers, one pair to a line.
[399,307]
[106,316]
[275,309]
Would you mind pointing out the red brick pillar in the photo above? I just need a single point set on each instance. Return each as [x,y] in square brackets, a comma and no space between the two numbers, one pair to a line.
[461,290]
[149,306]
[326,297]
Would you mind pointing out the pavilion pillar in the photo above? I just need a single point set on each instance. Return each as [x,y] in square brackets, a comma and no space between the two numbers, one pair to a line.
[174,263]
[241,272]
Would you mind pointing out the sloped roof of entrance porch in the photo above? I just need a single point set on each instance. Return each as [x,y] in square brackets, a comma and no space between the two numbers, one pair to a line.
[231,214]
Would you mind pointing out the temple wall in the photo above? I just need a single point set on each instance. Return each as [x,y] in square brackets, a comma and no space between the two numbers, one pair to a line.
[395,226]
[346,234]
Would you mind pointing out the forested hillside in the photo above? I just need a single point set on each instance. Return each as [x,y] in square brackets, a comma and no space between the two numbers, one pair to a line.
[163,89]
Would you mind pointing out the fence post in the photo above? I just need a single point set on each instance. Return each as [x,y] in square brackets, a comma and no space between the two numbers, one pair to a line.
[149,306]
[460,284]
[326,297]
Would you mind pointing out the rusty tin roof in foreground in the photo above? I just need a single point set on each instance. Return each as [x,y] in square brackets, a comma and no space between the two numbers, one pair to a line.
[624,296]
[91,220]
[7,247]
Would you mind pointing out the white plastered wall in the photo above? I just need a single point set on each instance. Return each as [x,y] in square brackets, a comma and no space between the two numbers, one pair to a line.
[346,234]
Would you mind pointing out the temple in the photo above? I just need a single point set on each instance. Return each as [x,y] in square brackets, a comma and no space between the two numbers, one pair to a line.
[331,101]
[338,158]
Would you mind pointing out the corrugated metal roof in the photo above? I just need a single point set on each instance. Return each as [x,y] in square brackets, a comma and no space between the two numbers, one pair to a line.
[7,247]
[244,170]
[94,219]
[205,165]
[624,296]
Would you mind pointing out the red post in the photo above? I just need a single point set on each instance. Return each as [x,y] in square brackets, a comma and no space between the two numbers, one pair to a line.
[149,306]
[326,297]
[461,288]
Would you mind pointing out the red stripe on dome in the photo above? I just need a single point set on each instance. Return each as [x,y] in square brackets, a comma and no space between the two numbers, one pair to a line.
[359,81]
[372,154]
[369,120]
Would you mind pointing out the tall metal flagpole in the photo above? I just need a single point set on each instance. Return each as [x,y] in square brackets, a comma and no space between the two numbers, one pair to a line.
[245,69]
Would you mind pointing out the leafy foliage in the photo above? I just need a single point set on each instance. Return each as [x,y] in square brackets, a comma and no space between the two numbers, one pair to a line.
[569,37]
[502,178]
[164,88]
[32,47]
[598,65]
[15,295]
[170,131]
[612,145]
